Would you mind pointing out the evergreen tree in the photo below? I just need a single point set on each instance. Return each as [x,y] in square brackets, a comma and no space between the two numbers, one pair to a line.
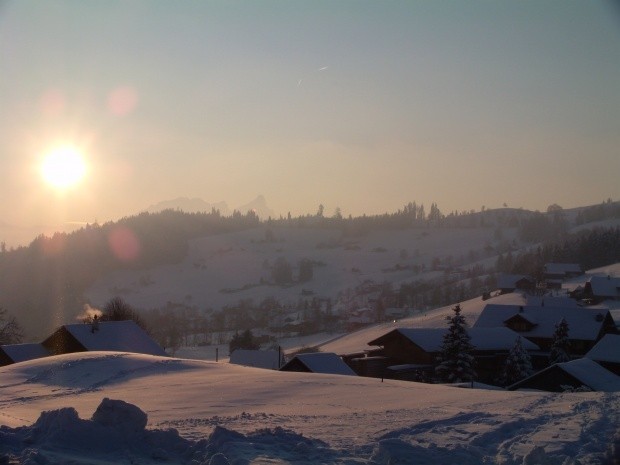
[282,272]
[245,340]
[306,271]
[456,363]
[518,364]
[560,346]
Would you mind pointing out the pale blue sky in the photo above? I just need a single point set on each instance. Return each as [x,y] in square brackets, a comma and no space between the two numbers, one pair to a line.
[364,105]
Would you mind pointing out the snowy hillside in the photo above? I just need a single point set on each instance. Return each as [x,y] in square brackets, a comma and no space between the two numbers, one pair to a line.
[227,414]
[223,269]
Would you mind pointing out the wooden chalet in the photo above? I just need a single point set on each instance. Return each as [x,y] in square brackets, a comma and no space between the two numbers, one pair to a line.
[600,288]
[15,353]
[606,353]
[556,273]
[267,359]
[412,353]
[117,336]
[586,326]
[580,374]
[318,362]
[508,283]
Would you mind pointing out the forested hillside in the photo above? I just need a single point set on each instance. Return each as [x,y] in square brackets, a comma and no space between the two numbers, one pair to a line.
[43,284]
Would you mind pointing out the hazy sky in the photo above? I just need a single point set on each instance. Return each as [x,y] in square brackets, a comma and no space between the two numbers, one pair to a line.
[365,105]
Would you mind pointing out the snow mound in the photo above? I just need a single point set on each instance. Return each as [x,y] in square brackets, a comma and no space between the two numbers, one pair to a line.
[276,445]
[202,413]
[118,413]
[116,433]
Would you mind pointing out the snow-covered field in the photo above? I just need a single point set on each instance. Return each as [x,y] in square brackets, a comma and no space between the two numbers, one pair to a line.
[119,408]
[237,261]
[224,413]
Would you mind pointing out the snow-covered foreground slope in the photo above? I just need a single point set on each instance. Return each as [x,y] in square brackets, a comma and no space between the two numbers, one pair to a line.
[230,414]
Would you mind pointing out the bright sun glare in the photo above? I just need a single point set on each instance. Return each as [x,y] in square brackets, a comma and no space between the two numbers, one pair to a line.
[63,167]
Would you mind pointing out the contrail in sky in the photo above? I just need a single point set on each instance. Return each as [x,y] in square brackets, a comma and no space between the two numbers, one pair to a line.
[318,70]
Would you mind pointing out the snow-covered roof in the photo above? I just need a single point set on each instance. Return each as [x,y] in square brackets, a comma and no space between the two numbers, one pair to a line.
[507,281]
[23,352]
[551,301]
[119,336]
[268,359]
[325,362]
[606,350]
[605,286]
[583,323]
[562,268]
[592,375]
[395,312]
[431,339]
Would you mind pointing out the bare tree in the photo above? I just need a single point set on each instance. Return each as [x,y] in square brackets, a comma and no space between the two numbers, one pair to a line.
[116,309]
[10,330]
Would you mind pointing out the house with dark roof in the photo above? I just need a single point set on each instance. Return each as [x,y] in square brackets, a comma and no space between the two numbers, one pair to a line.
[117,336]
[580,374]
[412,353]
[606,353]
[318,362]
[537,323]
[15,353]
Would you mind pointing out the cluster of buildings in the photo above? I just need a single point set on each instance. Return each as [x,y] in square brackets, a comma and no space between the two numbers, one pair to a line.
[412,354]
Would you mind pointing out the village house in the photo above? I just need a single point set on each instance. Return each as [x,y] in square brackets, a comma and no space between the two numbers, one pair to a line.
[507,283]
[117,336]
[15,353]
[606,353]
[600,288]
[359,318]
[548,300]
[396,313]
[412,353]
[267,359]
[586,326]
[318,362]
[556,273]
[581,374]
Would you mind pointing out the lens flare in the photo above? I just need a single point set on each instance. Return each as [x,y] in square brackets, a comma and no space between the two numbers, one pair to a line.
[124,244]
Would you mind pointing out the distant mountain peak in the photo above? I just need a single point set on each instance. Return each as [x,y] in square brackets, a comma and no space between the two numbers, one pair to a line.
[195,205]
[259,206]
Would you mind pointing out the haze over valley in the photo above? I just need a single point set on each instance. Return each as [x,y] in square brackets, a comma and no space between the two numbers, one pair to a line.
[309,232]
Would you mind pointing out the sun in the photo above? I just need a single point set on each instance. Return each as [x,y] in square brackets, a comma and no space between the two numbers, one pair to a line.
[63,167]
